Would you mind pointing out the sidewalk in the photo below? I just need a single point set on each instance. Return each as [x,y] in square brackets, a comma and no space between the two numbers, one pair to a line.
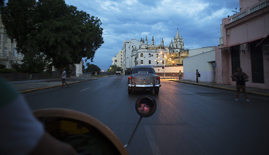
[257,91]
[34,85]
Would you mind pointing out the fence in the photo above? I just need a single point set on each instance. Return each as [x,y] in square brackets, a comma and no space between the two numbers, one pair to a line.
[28,76]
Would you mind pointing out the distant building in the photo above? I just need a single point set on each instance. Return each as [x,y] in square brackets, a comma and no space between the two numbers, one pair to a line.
[8,51]
[128,47]
[244,43]
[177,45]
[142,53]
[120,59]
[114,60]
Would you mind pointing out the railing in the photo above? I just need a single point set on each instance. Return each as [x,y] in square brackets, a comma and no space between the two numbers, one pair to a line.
[241,15]
[259,6]
[250,10]
[28,76]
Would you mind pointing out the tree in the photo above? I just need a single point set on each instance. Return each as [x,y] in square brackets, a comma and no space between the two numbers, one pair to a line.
[62,33]
[92,68]
[31,63]
[113,68]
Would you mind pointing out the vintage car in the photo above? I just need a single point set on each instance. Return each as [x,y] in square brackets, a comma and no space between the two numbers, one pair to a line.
[143,78]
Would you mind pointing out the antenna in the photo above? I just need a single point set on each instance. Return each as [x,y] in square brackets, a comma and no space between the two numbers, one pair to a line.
[235,10]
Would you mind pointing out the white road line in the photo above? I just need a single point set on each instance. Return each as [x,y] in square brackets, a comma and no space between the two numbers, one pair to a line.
[85,89]
[152,142]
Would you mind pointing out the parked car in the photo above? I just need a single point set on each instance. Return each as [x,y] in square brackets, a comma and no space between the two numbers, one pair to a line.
[143,78]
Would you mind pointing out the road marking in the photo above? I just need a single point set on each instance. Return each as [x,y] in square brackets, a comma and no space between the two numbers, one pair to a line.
[85,89]
[152,142]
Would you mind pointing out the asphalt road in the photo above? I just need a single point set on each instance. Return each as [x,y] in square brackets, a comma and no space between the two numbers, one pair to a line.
[189,119]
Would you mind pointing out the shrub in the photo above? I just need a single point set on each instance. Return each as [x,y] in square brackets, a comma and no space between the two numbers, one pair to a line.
[7,70]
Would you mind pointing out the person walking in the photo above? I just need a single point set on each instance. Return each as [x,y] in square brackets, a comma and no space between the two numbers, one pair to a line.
[197,75]
[64,78]
[240,78]
[180,74]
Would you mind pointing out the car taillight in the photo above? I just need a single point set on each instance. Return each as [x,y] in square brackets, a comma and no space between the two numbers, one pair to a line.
[158,77]
[130,78]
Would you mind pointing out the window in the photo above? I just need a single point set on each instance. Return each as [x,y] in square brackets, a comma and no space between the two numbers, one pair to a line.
[157,55]
[157,62]
[141,55]
[149,61]
[163,55]
[5,52]
[15,52]
[162,61]
[141,61]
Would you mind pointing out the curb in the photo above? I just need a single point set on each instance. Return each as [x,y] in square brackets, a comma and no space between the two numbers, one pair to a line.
[32,90]
[231,89]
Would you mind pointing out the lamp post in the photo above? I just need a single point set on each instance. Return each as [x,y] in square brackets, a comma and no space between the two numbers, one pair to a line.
[164,58]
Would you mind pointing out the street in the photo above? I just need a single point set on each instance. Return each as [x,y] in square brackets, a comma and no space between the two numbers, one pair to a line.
[189,119]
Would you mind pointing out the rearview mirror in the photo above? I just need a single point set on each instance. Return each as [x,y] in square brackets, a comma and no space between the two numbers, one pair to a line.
[145,106]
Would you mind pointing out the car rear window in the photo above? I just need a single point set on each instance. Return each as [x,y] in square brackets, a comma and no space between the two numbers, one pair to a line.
[142,70]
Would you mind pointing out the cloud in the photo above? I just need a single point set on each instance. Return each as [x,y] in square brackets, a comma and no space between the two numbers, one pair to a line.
[198,22]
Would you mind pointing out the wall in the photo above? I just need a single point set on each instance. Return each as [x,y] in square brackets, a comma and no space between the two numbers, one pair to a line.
[170,71]
[223,66]
[193,52]
[202,62]
[241,32]
[246,3]
[79,69]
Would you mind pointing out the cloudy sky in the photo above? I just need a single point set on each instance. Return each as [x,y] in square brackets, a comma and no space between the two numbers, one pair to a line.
[198,22]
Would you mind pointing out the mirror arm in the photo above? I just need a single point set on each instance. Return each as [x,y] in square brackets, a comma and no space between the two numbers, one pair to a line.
[133,132]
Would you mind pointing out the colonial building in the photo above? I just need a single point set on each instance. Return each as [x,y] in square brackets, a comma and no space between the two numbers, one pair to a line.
[177,45]
[160,55]
[142,52]
[244,43]
[8,50]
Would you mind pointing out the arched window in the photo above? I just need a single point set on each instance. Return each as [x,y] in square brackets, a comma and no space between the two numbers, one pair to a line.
[141,55]
[141,61]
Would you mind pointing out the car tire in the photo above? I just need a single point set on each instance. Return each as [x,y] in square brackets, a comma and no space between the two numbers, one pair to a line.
[130,90]
[156,90]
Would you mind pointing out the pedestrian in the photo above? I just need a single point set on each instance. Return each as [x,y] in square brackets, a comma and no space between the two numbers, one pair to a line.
[64,78]
[240,78]
[180,74]
[197,75]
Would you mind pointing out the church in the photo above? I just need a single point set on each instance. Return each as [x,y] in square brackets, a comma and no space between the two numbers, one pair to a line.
[159,55]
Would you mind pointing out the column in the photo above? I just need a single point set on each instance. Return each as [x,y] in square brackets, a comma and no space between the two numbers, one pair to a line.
[2,45]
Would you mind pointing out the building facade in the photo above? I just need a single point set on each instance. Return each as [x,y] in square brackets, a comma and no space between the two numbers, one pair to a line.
[142,52]
[120,58]
[244,43]
[203,60]
[8,50]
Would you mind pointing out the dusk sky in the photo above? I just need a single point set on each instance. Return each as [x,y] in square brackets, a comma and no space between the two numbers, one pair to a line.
[198,22]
